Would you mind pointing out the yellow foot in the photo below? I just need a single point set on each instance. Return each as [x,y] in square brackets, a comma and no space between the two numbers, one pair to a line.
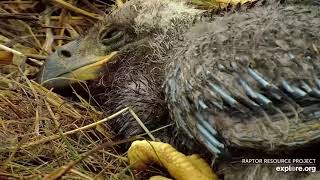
[180,166]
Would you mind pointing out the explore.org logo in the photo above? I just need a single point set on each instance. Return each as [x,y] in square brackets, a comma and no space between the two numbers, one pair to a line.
[290,168]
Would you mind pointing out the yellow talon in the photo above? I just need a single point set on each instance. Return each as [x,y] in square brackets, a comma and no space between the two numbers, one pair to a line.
[180,166]
[159,178]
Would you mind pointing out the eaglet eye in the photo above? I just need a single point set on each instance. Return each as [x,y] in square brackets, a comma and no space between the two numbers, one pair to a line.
[111,36]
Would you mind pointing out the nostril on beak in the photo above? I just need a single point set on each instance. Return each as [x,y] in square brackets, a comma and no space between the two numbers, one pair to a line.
[64,53]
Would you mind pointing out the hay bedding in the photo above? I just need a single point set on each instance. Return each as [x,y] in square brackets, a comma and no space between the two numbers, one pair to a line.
[32,144]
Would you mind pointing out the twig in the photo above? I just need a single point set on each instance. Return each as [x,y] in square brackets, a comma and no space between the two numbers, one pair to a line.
[76,9]
[91,6]
[141,124]
[47,45]
[81,174]
[36,56]
[53,137]
[20,16]
[34,62]
[11,50]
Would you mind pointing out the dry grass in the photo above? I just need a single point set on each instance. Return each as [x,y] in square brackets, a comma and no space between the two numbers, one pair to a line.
[41,132]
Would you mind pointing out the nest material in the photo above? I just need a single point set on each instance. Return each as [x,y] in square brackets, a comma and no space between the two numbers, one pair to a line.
[265,39]
[33,122]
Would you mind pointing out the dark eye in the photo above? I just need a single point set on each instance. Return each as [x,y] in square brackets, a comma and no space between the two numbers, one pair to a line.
[64,53]
[111,36]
